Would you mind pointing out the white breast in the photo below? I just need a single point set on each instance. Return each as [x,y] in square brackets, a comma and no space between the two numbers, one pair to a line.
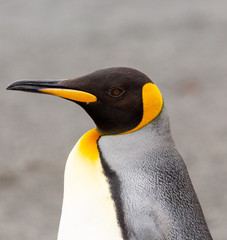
[88,210]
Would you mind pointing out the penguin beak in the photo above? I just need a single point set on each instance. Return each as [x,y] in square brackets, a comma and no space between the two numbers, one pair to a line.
[52,87]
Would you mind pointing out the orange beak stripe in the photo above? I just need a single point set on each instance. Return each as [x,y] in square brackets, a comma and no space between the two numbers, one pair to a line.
[76,95]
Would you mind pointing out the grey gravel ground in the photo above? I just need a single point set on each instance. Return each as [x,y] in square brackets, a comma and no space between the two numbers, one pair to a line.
[181,45]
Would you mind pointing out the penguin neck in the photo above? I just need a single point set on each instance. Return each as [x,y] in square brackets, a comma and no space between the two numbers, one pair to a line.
[158,128]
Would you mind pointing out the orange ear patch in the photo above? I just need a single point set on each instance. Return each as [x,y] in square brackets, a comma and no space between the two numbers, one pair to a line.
[152,104]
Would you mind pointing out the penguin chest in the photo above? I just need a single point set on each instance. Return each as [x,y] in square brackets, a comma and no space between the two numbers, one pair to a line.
[88,210]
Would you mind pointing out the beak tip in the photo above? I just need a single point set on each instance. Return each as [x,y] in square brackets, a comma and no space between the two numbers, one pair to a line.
[14,86]
[10,87]
[26,85]
[33,85]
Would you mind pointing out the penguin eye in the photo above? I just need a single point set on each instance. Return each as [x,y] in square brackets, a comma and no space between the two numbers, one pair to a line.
[115,92]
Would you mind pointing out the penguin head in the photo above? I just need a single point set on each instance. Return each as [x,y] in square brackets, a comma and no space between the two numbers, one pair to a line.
[119,100]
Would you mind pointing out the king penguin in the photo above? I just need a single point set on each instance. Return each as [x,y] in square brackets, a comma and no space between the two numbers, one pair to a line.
[124,180]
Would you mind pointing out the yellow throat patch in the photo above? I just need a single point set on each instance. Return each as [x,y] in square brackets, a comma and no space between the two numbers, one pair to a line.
[88,145]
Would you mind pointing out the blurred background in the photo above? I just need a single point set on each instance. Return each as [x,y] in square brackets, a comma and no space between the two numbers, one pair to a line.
[181,45]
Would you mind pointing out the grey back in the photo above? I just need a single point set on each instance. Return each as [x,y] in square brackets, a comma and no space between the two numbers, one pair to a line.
[150,185]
